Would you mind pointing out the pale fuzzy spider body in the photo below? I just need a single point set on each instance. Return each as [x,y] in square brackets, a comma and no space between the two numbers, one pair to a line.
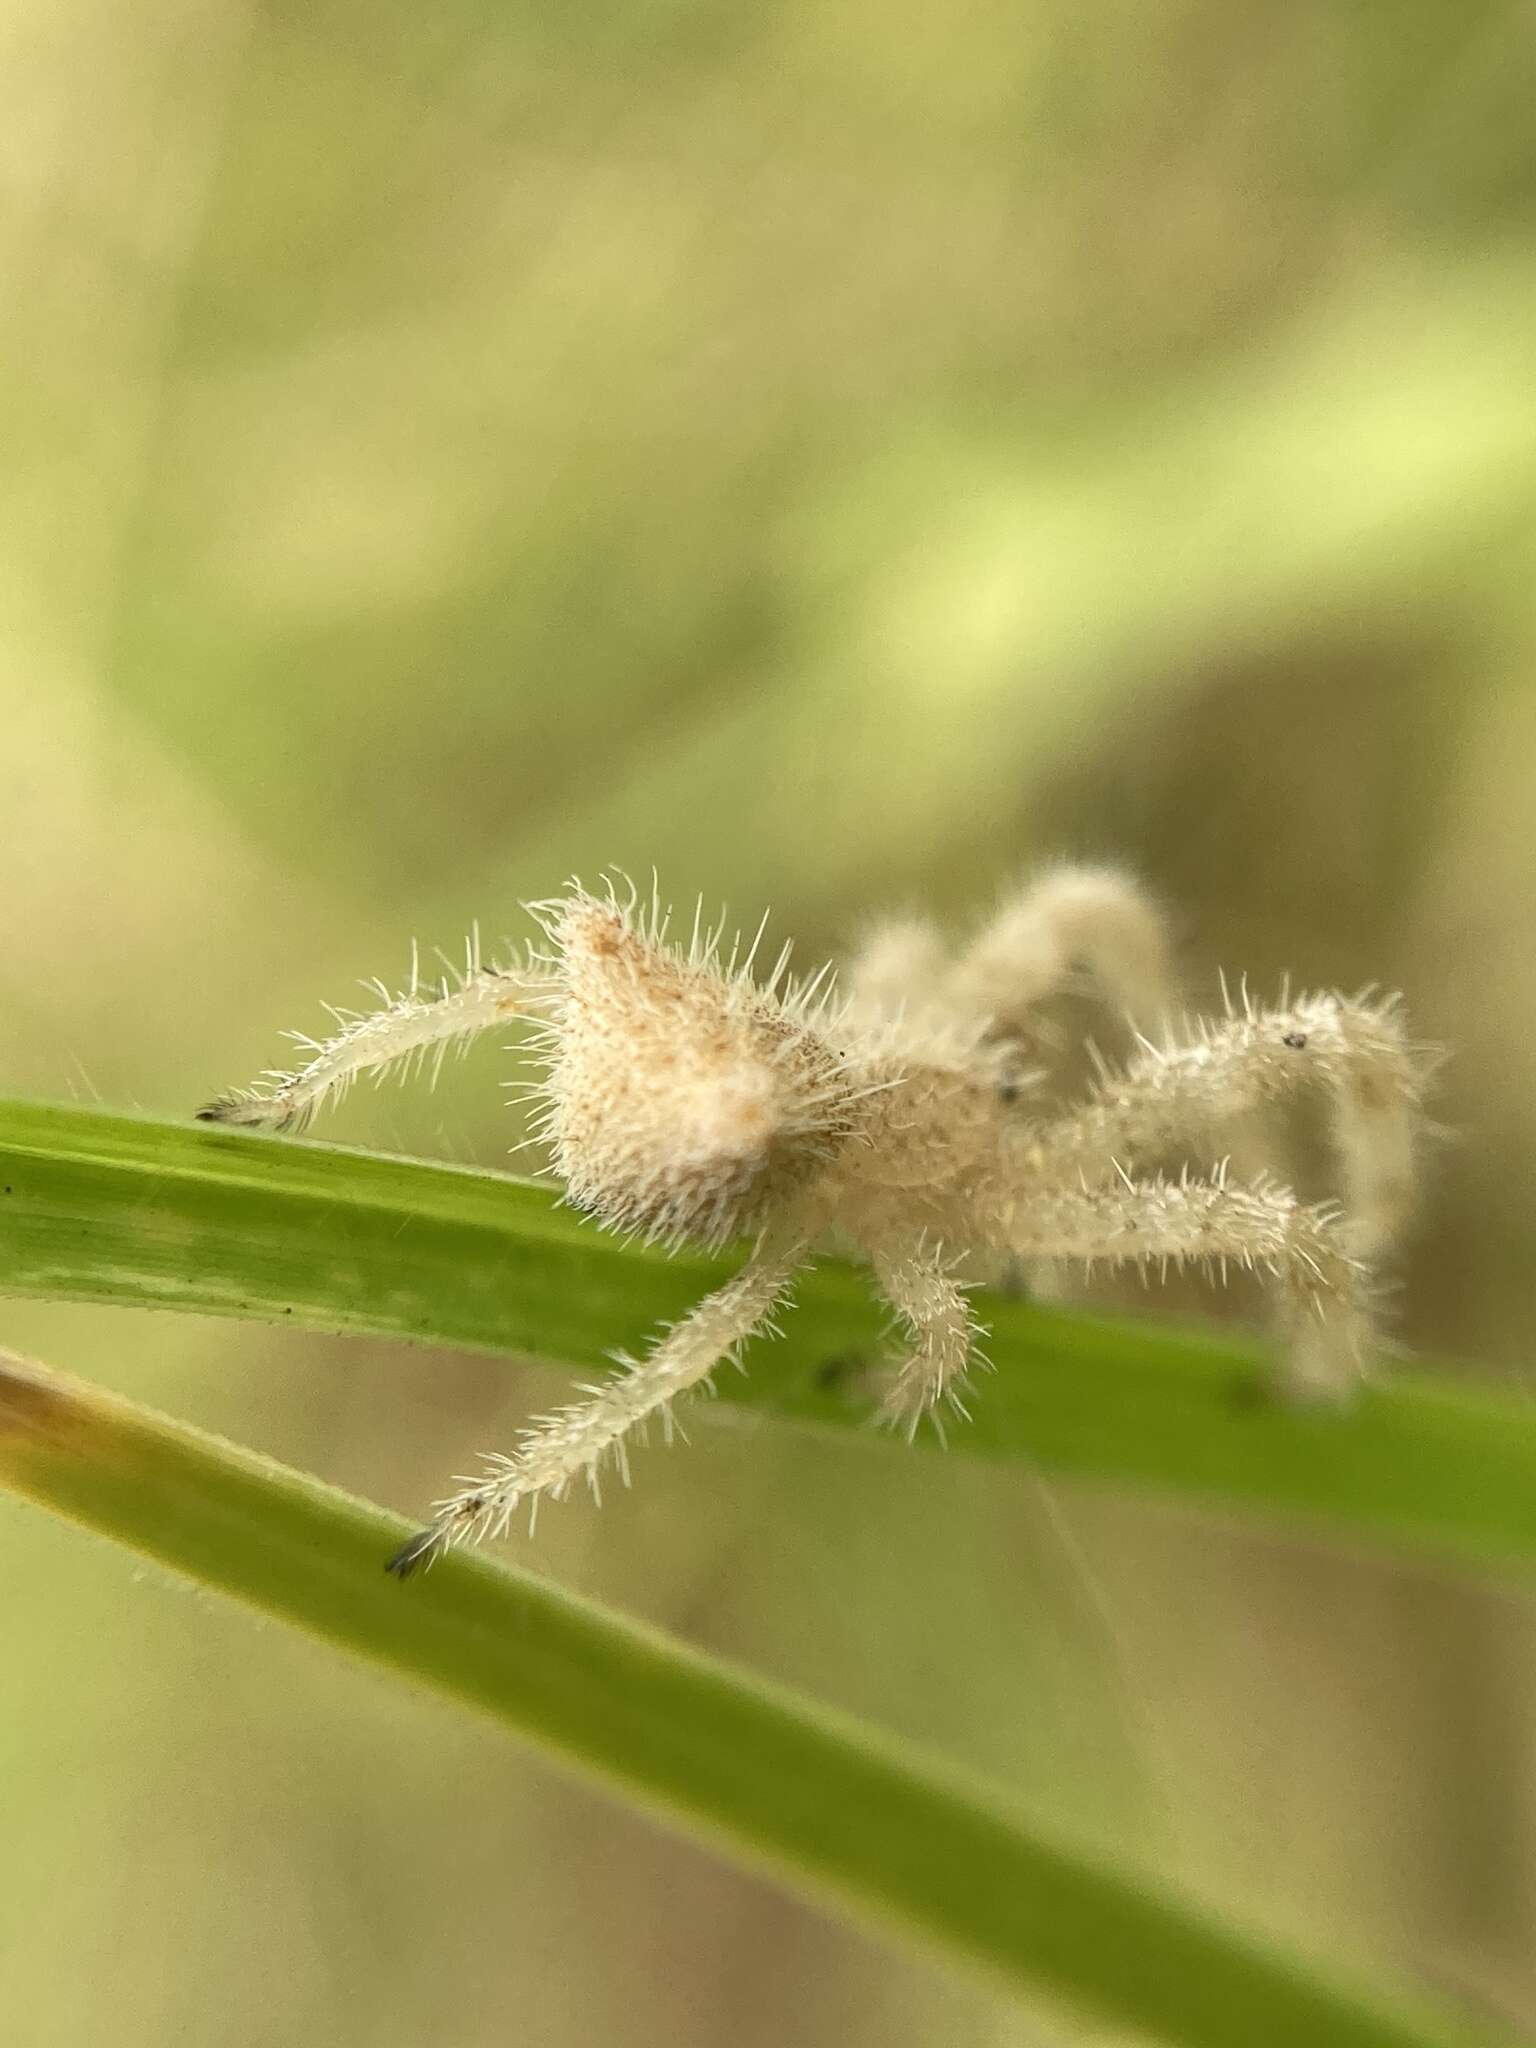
[686,1100]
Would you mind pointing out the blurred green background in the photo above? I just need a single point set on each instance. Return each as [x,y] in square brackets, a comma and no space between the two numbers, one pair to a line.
[837,455]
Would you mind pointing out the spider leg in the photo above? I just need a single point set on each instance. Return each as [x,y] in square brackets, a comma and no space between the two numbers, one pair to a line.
[1078,925]
[560,1447]
[1072,931]
[897,969]
[1174,1094]
[406,1026]
[1318,1288]
[934,1307]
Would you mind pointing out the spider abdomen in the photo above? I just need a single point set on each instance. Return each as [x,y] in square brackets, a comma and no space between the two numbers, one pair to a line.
[684,1101]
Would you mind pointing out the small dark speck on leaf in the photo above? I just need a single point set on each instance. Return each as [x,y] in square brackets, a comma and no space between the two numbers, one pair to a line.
[837,1370]
[1250,1393]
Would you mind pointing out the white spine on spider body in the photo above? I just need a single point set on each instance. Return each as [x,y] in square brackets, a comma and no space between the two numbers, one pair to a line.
[684,1098]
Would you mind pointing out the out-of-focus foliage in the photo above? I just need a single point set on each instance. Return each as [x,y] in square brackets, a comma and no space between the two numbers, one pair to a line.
[837,456]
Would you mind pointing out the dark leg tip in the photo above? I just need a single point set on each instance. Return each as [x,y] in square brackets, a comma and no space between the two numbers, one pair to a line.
[419,1549]
[253,1112]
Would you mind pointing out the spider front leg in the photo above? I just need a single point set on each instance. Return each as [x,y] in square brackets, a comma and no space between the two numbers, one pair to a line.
[921,1288]
[576,1440]
[408,1026]
[1317,1287]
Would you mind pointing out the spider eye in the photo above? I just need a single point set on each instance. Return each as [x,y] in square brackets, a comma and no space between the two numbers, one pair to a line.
[1007,1092]
[1296,1040]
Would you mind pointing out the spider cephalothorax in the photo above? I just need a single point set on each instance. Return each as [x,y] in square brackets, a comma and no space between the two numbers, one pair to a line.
[685,1098]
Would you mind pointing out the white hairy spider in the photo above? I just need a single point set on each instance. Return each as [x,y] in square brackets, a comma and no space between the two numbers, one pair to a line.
[685,1100]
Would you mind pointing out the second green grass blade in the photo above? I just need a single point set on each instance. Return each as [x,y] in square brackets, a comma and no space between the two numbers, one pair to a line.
[828,1805]
[106,1208]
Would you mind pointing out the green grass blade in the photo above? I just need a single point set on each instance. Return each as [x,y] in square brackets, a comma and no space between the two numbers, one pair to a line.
[829,1806]
[108,1208]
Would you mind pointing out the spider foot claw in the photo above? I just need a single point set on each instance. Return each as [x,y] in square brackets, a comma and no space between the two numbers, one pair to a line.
[422,1548]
